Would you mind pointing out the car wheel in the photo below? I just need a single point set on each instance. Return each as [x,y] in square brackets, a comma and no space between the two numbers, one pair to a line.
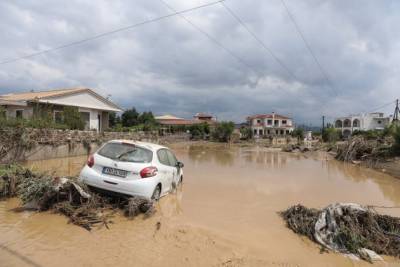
[156,193]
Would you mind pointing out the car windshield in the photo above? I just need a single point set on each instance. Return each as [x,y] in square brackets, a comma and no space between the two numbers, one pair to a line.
[126,152]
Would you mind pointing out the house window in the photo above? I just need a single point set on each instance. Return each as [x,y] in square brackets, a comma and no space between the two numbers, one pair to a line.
[284,122]
[282,132]
[255,131]
[260,132]
[276,122]
[269,122]
[379,122]
[287,132]
[58,117]
[19,113]
[268,132]
[258,121]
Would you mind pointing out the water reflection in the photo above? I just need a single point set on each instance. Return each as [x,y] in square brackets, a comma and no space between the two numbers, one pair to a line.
[222,156]
[387,184]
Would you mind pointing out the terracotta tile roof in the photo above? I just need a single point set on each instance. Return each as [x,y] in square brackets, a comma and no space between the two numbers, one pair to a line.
[178,122]
[267,116]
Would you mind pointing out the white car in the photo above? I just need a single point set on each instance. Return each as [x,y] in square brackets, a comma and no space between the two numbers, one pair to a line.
[133,168]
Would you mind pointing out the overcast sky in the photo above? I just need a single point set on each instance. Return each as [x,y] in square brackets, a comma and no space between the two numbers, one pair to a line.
[170,67]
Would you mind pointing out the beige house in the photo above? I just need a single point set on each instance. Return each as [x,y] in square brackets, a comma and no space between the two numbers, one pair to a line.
[94,108]
[270,124]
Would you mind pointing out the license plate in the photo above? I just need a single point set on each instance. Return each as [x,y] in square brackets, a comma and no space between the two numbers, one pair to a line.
[114,172]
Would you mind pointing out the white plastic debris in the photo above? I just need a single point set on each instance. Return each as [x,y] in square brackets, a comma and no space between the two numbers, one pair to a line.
[326,228]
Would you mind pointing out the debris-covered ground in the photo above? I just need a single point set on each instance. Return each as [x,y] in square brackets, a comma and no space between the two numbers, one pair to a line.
[360,149]
[295,148]
[67,196]
[347,228]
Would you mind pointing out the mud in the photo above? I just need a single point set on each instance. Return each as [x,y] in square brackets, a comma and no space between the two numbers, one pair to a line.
[226,214]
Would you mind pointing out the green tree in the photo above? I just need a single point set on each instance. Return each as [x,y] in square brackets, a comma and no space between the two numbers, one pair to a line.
[130,117]
[147,118]
[72,118]
[298,133]
[223,131]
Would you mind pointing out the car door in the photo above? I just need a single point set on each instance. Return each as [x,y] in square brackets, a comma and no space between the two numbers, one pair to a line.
[175,170]
[165,170]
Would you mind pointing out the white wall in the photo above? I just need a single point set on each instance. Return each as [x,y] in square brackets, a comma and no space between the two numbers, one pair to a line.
[84,100]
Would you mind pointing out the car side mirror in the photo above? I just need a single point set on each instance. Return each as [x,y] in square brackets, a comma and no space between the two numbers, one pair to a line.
[179,164]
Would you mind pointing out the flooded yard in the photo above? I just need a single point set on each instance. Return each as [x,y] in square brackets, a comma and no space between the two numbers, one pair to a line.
[225,214]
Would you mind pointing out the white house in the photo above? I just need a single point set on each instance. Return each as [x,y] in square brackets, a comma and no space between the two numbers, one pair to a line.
[362,122]
[270,124]
[94,108]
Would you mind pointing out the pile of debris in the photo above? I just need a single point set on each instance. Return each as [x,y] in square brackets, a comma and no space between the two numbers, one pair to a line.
[295,148]
[351,229]
[67,196]
[359,149]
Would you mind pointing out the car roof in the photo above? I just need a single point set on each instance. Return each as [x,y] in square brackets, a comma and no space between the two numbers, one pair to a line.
[147,145]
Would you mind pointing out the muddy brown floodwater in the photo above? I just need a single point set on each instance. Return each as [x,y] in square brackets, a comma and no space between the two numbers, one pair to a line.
[225,214]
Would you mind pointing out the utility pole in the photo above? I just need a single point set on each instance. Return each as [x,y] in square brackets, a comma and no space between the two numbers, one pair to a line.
[396,112]
[323,123]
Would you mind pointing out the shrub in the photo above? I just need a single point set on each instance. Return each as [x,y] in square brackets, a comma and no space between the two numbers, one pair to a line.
[113,119]
[199,131]
[369,135]
[396,137]
[246,133]
[2,113]
[223,131]
[331,135]
[72,118]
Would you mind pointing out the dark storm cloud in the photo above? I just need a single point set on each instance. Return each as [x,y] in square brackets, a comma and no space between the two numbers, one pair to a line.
[170,67]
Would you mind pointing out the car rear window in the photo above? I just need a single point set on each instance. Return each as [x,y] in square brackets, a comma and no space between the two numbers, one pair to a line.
[126,152]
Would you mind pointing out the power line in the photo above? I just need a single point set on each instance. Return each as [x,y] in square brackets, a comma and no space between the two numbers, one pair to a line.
[329,83]
[214,40]
[382,106]
[108,33]
[370,111]
[263,45]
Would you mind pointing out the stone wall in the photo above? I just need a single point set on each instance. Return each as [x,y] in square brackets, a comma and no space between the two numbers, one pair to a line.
[50,143]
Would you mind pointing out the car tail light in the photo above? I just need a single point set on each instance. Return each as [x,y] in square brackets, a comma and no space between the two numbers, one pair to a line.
[90,161]
[148,172]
